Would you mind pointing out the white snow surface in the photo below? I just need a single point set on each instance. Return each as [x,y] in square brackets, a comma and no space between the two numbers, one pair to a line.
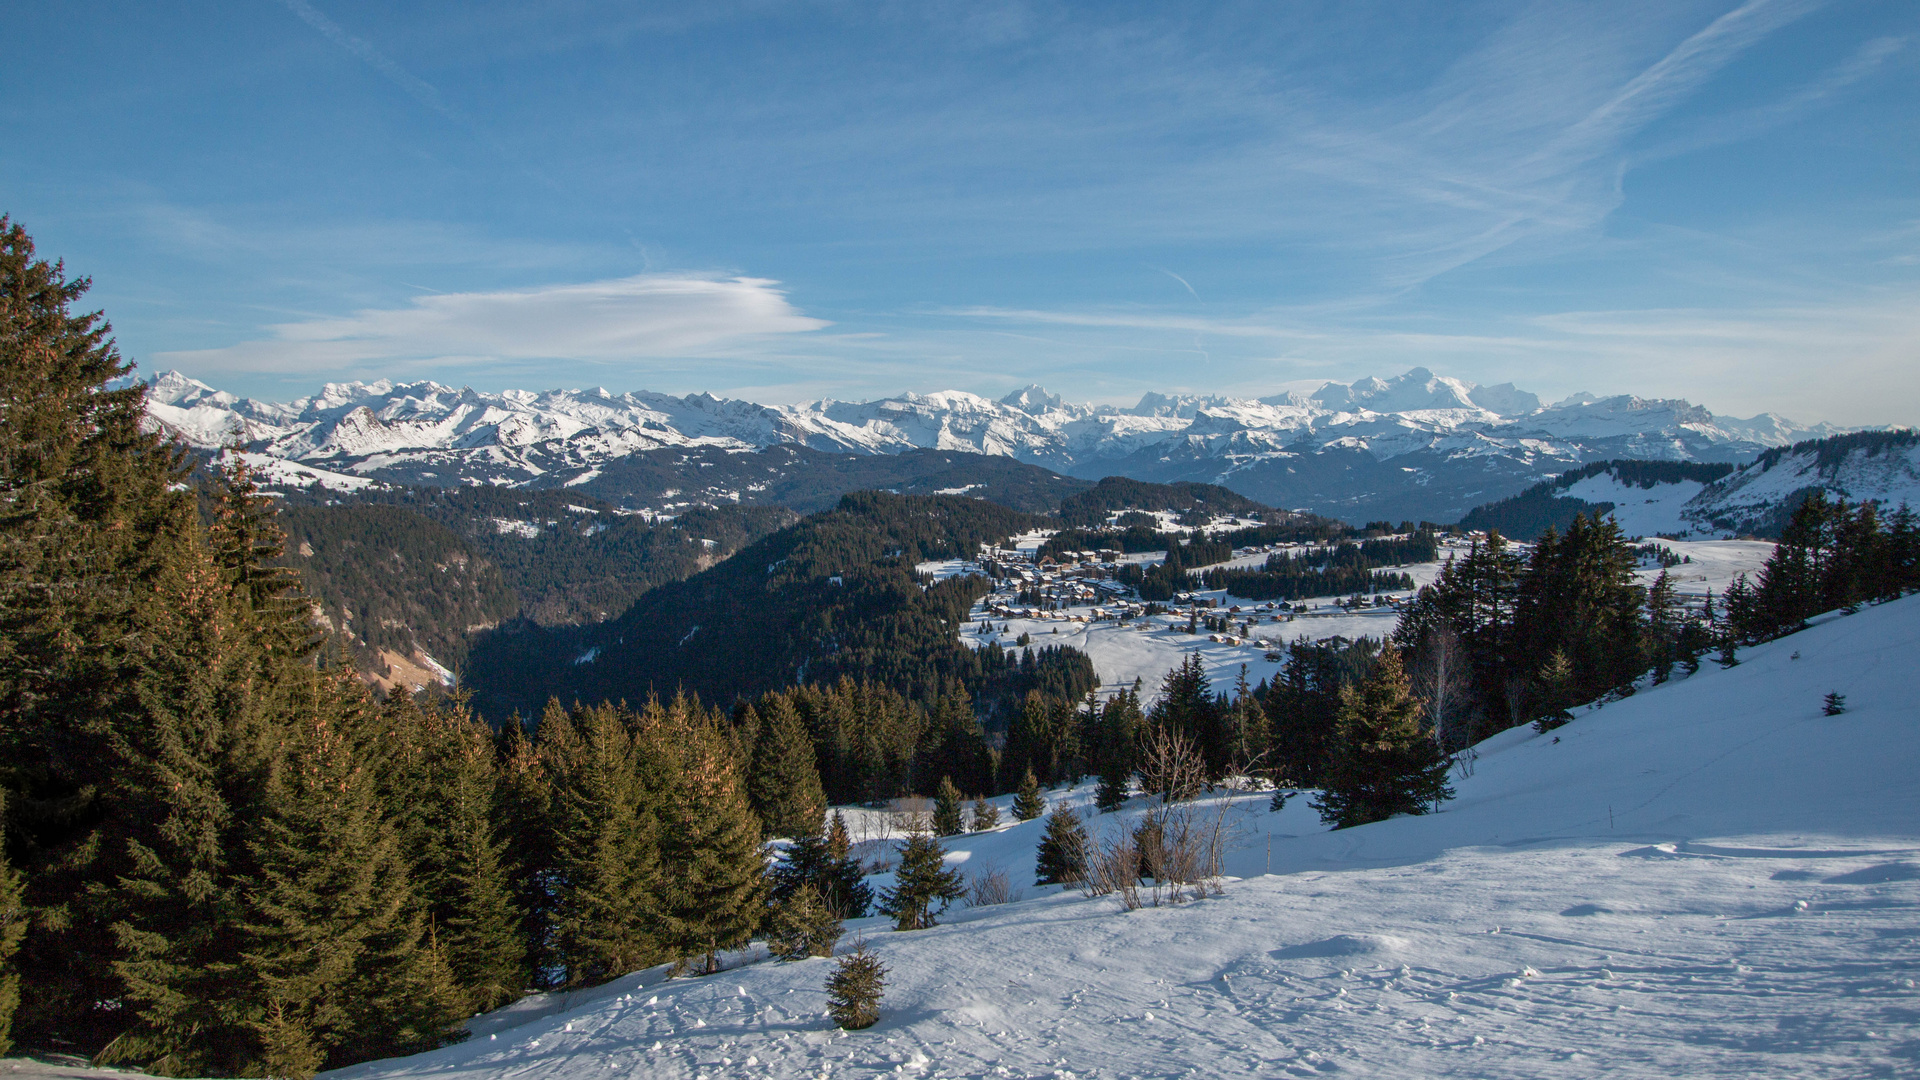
[1707,879]
[1640,511]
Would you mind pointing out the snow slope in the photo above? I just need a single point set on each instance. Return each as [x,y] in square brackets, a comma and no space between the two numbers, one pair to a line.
[1708,879]
[1885,470]
[1640,511]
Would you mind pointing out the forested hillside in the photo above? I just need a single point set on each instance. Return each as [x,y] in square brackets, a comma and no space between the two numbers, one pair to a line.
[387,579]
[809,480]
[571,558]
[1092,507]
[835,594]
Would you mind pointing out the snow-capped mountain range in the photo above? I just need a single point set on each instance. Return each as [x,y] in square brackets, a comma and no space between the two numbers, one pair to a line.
[1418,445]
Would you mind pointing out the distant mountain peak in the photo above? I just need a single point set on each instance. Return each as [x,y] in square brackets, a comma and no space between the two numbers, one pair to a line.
[1417,431]
[1033,398]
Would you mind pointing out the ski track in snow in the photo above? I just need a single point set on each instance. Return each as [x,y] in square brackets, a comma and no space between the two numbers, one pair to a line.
[1708,879]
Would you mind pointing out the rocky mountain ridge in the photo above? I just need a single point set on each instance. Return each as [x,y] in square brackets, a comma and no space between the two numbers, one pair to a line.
[1418,445]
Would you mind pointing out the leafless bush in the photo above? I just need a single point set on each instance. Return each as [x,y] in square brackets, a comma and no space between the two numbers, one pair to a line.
[1441,679]
[1113,868]
[1175,854]
[990,886]
[911,814]
[1171,766]
[869,826]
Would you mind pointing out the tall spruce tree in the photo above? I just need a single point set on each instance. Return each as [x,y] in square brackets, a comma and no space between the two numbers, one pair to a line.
[227,662]
[606,858]
[464,868]
[1117,755]
[523,805]
[177,902]
[1383,763]
[90,515]
[785,783]
[13,926]
[1029,740]
[336,936]
[715,887]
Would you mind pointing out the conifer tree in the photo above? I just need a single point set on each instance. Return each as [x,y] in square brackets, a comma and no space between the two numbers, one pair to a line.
[785,784]
[985,815]
[13,926]
[1383,763]
[336,937]
[1029,737]
[947,817]
[854,989]
[1664,628]
[89,517]
[1062,859]
[1117,757]
[466,877]
[1028,803]
[839,844]
[176,902]
[523,804]
[1556,691]
[802,925]
[921,882]
[715,887]
[1834,704]
[226,664]
[809,862]
[606,849]
[953,745]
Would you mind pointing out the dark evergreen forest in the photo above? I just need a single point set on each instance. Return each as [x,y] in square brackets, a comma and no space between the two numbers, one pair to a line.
[834,595]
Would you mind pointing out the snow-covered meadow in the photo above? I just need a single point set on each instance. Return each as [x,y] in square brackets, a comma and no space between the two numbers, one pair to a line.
[1146,648]
[1711,878]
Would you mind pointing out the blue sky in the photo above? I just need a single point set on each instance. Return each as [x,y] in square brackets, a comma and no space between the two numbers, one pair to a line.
[1718,201]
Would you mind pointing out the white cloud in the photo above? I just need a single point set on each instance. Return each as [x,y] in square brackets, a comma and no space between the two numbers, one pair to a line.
[644,317]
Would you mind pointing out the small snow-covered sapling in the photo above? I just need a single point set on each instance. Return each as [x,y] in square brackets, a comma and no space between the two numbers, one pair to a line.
[1835,704]
[853,990]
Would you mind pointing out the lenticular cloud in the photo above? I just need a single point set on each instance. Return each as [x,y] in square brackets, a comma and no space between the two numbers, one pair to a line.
[649,315]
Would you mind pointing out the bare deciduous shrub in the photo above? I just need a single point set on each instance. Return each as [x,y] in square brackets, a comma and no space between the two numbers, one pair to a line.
[1175,854]
[991,886]
[1171,766]
[1113,867]
[911,814]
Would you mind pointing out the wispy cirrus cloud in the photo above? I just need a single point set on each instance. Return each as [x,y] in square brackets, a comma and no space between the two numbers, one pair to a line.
[648,316]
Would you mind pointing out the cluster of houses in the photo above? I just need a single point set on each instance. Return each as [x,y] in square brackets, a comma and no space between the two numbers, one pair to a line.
[1071,579]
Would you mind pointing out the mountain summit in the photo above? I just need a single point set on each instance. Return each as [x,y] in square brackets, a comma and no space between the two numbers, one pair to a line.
[1418,445]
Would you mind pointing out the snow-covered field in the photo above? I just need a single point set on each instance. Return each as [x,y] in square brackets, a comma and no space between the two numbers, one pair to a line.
[1709,879]
[1713,564]
[1640,511]
[1147,648]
